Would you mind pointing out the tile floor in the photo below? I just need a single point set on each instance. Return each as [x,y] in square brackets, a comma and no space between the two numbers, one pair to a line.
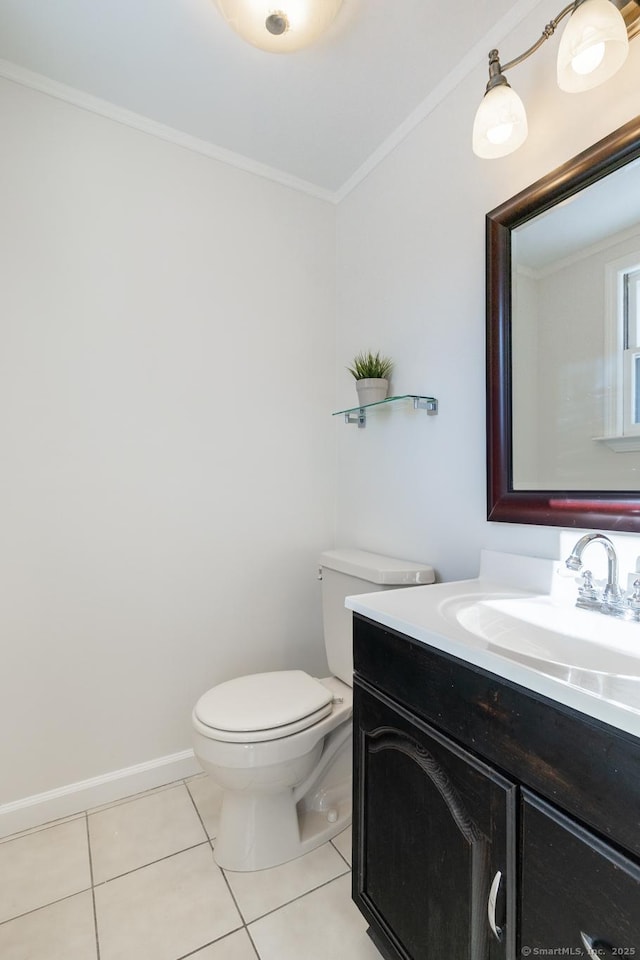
[136,880]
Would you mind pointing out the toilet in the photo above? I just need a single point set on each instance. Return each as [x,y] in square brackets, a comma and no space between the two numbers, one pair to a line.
[279,744]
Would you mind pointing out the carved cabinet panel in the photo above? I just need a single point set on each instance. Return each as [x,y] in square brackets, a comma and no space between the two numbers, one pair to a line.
[434,862]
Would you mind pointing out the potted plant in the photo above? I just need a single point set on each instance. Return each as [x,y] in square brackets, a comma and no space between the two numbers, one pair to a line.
[371,372]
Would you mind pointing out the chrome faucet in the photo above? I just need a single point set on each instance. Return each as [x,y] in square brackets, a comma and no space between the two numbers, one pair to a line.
[612,599]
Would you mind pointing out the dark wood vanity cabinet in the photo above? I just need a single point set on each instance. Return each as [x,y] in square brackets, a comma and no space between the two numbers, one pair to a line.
[575,890]
[489,822]
[433,826]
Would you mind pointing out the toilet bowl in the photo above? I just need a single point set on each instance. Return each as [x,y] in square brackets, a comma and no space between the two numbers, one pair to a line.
[286,788]
[279,744]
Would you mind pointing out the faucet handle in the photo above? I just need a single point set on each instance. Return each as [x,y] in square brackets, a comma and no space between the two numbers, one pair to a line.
[633,602]
[588,596]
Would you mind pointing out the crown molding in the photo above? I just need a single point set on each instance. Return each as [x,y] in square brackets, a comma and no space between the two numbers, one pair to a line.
[36,81]
[470,62]
[476,55]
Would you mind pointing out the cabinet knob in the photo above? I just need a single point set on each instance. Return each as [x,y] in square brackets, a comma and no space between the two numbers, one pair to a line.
[491,906]
[596,948]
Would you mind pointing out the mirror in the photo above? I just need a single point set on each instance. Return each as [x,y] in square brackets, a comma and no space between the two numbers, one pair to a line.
[563,344]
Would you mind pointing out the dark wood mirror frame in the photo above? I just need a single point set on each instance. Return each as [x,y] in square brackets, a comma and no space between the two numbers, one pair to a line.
[602,509]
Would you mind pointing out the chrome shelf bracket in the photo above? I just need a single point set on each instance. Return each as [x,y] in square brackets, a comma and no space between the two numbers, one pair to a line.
[360,417]
[426,403]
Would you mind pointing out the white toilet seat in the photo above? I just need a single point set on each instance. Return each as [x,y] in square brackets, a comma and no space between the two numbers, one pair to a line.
[263,706]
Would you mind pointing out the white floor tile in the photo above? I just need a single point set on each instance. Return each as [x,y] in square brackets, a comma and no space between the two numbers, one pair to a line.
[323,924]
[261,891]
[62,931]
[165,910]
[237,946]
[159,894]
[207,797]
[130,835]
[342,843]
[41,867]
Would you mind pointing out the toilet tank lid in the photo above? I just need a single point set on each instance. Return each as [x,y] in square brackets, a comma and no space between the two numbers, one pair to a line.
[376,568]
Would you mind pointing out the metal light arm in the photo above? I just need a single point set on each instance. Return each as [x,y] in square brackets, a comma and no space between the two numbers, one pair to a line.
[496,70]
[547,33]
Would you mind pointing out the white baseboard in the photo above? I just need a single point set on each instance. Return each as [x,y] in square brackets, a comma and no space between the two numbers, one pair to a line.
[76,797]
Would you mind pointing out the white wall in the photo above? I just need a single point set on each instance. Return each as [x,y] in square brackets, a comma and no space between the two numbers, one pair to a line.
[166,362]
[411,283]
[167,365]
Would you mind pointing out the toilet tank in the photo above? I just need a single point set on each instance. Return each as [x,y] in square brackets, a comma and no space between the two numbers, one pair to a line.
[345,573]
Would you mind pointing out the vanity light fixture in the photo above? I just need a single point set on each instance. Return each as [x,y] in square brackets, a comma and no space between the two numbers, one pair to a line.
[593,46]
[279,26]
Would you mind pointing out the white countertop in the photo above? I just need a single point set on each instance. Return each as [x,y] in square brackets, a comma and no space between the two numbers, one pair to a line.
[425,614]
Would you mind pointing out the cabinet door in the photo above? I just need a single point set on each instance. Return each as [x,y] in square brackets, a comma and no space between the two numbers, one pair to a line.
[579,896]
[434,837]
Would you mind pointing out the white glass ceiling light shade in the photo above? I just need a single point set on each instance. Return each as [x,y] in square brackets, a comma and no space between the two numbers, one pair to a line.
[279,26]
[593,47]
[500,126]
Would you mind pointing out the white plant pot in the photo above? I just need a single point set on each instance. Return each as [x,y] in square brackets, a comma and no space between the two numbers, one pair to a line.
[371,390]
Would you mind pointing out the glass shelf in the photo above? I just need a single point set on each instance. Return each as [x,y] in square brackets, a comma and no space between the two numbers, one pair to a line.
[359,414]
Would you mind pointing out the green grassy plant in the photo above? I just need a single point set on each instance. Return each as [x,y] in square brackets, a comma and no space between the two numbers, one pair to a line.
[368,365]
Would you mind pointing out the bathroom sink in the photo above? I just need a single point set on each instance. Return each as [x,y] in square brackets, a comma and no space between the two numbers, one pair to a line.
[585,649]
[518,620]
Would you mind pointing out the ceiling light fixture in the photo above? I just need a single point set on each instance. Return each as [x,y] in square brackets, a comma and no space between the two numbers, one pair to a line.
[593,46]
[279,26]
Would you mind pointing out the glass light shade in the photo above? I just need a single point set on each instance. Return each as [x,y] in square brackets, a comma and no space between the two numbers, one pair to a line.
[279,26]
[593,46]
[500,126]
